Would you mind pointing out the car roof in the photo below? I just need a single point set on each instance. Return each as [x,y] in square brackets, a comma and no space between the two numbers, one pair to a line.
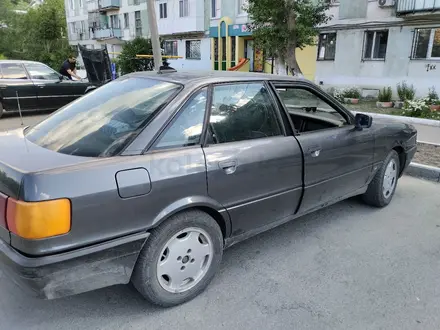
[19,62]
[196,76]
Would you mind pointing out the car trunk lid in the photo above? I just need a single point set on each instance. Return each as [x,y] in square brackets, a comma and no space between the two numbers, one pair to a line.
[19,158]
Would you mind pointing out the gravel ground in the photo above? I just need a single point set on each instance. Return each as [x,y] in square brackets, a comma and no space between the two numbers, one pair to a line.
[427,154]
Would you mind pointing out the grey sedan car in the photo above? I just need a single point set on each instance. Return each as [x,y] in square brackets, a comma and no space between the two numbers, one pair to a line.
[150,177]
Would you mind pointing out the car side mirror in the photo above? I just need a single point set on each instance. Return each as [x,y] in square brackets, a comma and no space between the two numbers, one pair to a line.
[362,121]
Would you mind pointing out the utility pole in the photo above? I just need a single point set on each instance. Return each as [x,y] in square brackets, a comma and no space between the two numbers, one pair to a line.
[154,32]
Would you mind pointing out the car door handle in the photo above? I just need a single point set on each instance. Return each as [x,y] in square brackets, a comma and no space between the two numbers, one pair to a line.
[228,166]
[315,151]
[40,86]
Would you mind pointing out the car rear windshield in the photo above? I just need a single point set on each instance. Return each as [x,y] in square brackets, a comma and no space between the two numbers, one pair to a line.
[102,123]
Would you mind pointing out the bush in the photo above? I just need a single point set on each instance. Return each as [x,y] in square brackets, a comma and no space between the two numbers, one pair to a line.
[419,108]
[405,92]
[3,57]
[432,98]
[385,95]
[347,93]
[127,59]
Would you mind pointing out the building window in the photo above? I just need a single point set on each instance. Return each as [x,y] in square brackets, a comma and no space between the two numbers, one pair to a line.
[426,44]
[327,46]
[170,48]
[138,23]
[233,41]
[215,49]
[137,2]
[242,6]
[193,49]
[114,21]
[126,20]
[163,10]
[183,8]
[375,45]
[215,8]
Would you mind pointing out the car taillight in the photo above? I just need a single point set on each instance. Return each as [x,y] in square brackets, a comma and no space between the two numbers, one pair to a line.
[3,199]
[36,220]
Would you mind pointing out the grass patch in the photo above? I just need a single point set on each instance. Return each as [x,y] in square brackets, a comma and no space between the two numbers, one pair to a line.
[370,106]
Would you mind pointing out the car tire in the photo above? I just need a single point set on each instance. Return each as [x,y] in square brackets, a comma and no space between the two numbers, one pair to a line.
[381,189]
[1,110]
[190,244]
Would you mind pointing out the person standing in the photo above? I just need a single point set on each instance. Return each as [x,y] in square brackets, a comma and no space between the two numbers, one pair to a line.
[68,68]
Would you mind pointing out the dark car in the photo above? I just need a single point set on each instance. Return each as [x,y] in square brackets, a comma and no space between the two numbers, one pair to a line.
[26,85]
[150,177]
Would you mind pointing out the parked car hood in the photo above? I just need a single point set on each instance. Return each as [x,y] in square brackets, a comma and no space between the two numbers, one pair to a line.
[20,157]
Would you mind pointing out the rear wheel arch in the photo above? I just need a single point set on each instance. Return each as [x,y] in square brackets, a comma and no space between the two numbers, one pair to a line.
[204,204]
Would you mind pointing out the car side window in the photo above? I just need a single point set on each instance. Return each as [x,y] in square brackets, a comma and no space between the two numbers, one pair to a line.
[186,129]
[41,72]
[242,111]
[308,111]
[12,71]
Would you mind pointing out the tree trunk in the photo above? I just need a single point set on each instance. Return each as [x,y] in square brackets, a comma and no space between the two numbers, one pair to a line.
[281,67]
[291,46]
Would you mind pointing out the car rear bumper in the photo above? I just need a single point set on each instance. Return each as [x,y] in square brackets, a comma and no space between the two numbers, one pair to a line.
[70,273]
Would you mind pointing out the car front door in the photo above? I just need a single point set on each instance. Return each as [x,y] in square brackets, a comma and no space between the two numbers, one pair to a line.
[254,168]
[338,159]
[16,89]
[53,90]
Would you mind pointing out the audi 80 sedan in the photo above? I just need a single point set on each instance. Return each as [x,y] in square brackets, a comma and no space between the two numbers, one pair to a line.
[150,177]
[28,85]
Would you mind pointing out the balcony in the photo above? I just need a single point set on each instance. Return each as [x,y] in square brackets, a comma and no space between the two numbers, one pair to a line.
[417,6]
[106,5]
[105,34]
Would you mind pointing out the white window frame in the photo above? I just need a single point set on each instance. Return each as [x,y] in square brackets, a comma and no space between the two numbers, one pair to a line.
[430,44]
[174,42]
[184,4]
[218,8]
[240,5]
[371,58]
[163,9]
[189,41]
[126,20]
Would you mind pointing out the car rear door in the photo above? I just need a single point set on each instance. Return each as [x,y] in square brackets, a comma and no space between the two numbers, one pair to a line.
[338,159]
[16,88]
[53,92]
[254,168]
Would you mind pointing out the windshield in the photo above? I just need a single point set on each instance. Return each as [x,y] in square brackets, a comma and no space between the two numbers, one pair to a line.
[102,123]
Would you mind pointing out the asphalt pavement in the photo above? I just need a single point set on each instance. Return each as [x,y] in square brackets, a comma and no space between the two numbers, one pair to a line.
[348,266]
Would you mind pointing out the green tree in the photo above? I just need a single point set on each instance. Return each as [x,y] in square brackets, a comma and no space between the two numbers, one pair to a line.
[127,61]
[38,35]
[281,26]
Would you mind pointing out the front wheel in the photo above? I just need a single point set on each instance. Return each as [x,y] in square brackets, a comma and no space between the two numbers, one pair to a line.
[179,259]
[381,189]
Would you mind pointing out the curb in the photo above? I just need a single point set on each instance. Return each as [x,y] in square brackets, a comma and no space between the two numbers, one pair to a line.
[426,172]
[409,120]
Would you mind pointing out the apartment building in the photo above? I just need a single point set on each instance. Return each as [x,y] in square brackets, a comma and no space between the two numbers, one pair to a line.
[109,23]
[377,43]
[183,26]
[232,43]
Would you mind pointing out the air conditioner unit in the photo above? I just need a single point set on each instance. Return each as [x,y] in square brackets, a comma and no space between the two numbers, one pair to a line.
[386,3]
